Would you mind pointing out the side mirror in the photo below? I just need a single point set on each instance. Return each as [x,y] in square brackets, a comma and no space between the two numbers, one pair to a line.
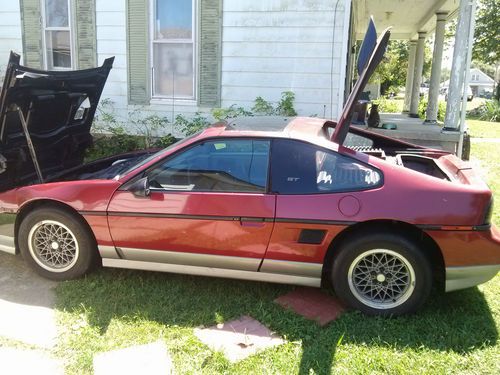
[140,188]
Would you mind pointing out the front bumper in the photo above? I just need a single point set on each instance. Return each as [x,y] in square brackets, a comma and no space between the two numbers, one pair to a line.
[7,225]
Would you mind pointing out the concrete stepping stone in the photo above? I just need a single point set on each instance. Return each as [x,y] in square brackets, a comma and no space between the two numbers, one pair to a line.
[26,302]
[239,338]
[151,359]
[28,362]
[312,304]
[32,325]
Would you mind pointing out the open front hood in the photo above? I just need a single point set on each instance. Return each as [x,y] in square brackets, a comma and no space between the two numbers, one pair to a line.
[370,55]
[45,120]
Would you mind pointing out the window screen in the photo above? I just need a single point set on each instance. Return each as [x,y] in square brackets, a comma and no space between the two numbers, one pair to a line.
[57,34]
[173,49]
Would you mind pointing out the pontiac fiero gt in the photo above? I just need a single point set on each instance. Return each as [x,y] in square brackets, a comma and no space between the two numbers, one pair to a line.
[302,201]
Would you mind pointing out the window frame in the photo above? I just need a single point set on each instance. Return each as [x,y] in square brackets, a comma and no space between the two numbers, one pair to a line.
[145,172]
[69,28]
[151,43]
[327,150]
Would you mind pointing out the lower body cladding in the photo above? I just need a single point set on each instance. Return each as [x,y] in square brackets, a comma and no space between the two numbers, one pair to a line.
[7,224]
[465,277]
[274,271]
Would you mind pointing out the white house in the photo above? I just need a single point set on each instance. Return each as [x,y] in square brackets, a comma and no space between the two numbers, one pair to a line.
[481,83]
[186,56]
[191,55]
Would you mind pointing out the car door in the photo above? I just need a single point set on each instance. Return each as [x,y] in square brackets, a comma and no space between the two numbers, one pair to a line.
[318,193]
[207,206]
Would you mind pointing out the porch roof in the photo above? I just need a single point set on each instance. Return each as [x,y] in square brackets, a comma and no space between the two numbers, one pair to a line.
[407,17]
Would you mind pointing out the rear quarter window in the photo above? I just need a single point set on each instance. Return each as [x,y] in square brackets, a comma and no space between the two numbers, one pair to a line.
[302,168]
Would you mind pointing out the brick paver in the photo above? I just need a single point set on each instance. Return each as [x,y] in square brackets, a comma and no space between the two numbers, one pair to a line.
[313,304]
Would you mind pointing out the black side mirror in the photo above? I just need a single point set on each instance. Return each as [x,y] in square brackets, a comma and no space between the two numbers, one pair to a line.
[140,188]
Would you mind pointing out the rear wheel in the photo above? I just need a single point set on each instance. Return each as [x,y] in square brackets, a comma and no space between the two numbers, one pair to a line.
[56,244]
[382,274]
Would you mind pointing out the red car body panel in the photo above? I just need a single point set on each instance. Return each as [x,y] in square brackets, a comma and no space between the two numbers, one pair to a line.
[221,224]
[468,248]
[90,198]
[87,195]
[284,243]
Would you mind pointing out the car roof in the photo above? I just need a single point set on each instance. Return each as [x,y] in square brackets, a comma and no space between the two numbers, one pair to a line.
[277,126]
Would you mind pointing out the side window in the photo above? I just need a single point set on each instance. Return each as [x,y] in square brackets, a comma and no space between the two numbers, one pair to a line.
[301,168]
[235,165]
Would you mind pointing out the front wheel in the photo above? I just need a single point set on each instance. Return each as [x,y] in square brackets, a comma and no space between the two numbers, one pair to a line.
[56,244]
[382,274]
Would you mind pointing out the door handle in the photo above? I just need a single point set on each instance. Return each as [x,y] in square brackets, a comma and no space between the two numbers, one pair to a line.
[255,222]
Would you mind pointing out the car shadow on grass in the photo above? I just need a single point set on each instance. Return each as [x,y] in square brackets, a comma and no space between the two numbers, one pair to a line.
[460,322]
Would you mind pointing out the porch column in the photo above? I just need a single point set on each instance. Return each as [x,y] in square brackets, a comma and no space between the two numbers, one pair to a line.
[417,75]
[409,75]
[437,57]
[459,65]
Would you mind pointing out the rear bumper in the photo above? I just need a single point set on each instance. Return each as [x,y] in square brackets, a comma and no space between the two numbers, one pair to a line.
[472,258]
[465,277]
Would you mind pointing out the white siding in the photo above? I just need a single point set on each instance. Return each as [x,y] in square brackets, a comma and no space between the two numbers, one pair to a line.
[276,45]
[10,32]
[268,47]
[112,41]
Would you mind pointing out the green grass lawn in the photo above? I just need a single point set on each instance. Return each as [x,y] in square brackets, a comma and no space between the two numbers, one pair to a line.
[454,333]
[488,155]
[483,129]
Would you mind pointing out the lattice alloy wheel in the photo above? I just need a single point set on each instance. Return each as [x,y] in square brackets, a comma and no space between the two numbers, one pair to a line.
[53,246]
[379,273]
[57,244]
[381,278]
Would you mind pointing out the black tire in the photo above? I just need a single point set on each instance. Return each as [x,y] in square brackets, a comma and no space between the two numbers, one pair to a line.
[56,236]
[362,285]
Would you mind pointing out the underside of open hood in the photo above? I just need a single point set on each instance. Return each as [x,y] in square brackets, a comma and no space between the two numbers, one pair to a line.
[45,120]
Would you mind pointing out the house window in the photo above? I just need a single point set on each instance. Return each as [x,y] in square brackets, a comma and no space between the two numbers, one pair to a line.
[57,39]
[173,49]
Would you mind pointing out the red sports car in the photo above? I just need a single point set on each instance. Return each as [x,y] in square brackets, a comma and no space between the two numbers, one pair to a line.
[300,201]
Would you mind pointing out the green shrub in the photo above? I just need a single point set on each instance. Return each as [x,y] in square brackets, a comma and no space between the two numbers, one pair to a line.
[262,107]
[489,111]
[149,127]
[388,105]
[165,141]
[232,112]
[192,125]
[422,108]
[285,106]
[116,142]
[114,138]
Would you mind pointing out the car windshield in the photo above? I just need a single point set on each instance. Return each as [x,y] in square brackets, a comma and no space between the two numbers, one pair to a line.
[156,154]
